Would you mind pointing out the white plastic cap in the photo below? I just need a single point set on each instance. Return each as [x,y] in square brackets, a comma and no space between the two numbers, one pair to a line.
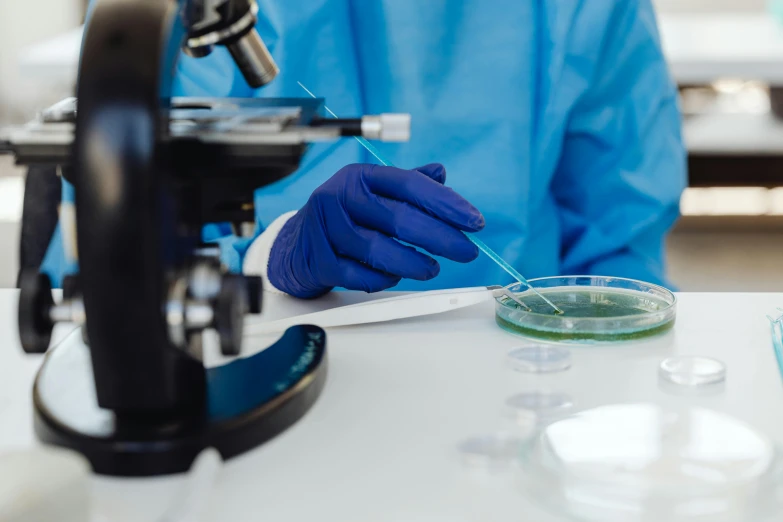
[44,485]
[387,127]
[395,127]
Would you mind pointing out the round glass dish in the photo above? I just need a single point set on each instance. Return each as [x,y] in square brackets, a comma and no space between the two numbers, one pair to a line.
[644,463]
[596,309]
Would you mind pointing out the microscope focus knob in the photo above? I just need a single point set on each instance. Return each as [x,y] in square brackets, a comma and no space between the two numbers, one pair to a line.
[35,305]
[231,307]
[254,291]
[71,287]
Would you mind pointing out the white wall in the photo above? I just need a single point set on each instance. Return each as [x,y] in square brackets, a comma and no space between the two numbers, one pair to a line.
[23,22]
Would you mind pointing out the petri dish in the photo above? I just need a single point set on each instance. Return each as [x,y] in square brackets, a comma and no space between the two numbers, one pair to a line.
[777,340]
[538,407]
[492,451]
[597,310]
[692,371]
[539,358]
[644,463]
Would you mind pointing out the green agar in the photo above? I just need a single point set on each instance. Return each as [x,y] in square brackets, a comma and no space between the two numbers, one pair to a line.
[589,303]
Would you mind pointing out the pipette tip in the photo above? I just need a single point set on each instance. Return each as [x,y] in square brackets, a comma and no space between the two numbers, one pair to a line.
[557,310]
[510,269]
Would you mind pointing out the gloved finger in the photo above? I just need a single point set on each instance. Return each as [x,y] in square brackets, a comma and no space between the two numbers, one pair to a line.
[407,223]
[434,171]
[417,189]
[356,276]
[383,253]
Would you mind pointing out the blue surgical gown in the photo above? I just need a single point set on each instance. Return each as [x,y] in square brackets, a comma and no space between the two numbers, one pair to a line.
[557,119]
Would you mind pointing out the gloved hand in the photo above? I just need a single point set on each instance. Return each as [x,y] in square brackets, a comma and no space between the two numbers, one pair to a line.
[345,234]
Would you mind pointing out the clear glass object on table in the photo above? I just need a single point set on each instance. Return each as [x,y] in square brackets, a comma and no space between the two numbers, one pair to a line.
[644,463]
[687,370]
[539,358]
[776,325]
[491,452]
[596,310]
[775,9]
[538,408]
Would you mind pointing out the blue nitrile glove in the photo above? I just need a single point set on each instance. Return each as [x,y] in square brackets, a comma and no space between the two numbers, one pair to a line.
[345,234]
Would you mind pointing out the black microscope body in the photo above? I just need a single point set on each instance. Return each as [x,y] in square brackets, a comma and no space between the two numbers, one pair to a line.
[131,392]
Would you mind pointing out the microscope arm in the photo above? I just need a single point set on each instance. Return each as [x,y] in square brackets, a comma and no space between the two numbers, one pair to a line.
[131,392]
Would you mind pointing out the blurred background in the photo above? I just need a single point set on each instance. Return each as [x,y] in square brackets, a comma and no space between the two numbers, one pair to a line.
[726,56]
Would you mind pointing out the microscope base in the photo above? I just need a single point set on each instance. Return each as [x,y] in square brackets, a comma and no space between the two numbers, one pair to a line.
[249,401]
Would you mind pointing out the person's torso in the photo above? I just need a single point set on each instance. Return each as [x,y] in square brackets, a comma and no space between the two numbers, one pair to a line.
[489,85]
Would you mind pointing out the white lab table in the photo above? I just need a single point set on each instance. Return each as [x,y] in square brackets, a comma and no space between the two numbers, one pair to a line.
[380,443]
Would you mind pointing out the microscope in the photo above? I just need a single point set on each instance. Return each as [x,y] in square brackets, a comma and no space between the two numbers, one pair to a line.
[132,393]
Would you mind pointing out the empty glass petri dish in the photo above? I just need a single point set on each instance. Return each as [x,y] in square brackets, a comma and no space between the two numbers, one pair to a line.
[596,309]
[643,463]
[493,451]
[692,371]
[539,358]
[538,407]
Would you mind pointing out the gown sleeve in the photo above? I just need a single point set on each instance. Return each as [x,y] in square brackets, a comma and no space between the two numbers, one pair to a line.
[623,165]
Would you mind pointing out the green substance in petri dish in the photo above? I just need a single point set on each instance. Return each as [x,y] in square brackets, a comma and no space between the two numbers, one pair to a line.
[595,303]
[605,315]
